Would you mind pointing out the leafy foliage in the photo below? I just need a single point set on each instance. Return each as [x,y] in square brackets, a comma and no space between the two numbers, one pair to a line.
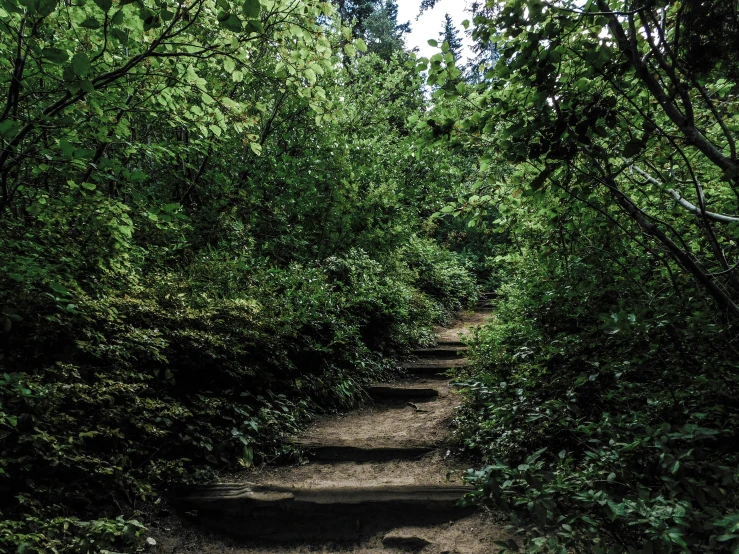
[603,396]
[606,426]
[209,231]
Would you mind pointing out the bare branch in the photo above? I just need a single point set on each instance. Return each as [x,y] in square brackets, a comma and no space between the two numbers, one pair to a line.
[696,210]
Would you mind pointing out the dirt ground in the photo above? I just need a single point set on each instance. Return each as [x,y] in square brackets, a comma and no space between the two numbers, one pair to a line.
[471,535]
[463,326]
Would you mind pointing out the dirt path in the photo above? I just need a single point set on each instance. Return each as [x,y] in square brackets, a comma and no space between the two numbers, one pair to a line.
[382,478]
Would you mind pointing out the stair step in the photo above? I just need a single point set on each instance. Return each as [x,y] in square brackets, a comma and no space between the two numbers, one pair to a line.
[456,345]
[282,513]
[437,367]
[389,392]
[339,452]
[441,352]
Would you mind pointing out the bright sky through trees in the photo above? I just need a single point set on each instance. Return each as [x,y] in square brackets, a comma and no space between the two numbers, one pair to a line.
[429,25]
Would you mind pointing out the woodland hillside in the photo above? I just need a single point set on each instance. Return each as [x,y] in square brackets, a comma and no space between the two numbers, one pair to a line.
[219,218]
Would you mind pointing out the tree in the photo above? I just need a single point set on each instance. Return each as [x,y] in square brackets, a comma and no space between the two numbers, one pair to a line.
[485,52]
[675,131]
[607,146]
[383,33]
[450,35]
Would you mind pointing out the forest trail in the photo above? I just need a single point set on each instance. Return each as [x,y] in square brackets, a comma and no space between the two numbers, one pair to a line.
[382,478]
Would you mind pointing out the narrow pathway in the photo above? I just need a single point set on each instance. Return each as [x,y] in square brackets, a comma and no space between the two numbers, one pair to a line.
[380,479]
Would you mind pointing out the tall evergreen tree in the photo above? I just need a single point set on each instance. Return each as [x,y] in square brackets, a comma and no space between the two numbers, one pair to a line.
[450,35]
[376,21]
[382,32]
[355,13]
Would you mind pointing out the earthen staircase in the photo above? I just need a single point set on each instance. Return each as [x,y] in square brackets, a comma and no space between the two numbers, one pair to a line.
[382,478]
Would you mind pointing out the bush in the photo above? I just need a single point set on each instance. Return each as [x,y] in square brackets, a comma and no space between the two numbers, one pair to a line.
[605,426]
[442,275]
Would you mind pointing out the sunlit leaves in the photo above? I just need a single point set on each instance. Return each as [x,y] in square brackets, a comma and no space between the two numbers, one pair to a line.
[310,74]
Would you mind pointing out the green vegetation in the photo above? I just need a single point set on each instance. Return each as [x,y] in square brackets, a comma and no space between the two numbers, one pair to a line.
[219,218]
[604,399]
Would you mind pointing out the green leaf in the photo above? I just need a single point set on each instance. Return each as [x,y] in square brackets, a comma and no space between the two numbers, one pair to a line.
[55,55]
[433,43]
[251,9]
[360,45]
[350,50]
[104,5]
[632,148]
[87,86]
[247,456]
[254,26]
[120,35]
[90,23]
[80,64]
[232,23]
[310,75]
[8,128]
[256,148]
[47,7]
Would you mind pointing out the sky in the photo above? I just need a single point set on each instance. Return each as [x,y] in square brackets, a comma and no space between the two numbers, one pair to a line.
[430,24]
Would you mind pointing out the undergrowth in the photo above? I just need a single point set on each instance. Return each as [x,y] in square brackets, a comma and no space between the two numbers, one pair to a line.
[108,397]
[606,423]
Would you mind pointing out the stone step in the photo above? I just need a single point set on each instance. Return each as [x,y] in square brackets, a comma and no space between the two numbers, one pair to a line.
[399,392]
[285,513]
[443,351]
[341,451]
[434,367]
[456,345]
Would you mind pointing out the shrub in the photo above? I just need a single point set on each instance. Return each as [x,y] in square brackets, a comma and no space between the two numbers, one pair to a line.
[605,426]
[442,275]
